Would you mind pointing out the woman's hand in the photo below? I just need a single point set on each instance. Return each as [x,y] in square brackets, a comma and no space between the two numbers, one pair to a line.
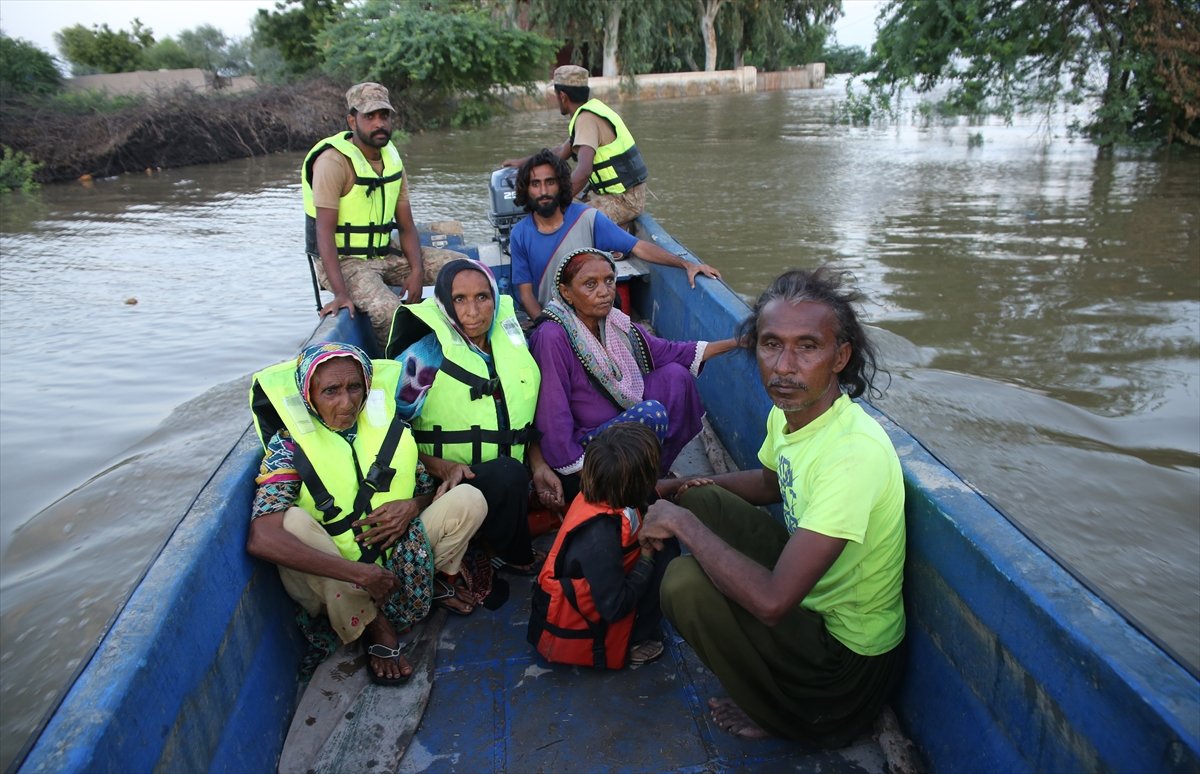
[548,487]
[381,584]
[453,474]
[388,523]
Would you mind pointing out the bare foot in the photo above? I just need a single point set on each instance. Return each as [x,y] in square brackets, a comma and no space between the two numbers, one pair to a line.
[448,593]
[730,717]
[393,668]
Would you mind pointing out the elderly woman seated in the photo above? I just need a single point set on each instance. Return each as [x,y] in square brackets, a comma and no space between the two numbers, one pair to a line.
[346,511]
[598,368]
[469,386]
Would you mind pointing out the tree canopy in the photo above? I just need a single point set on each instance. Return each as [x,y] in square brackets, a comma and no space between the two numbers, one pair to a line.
[26,69]
[638,36]
[1136,64]
[292,30]
[433,57]
[104,50]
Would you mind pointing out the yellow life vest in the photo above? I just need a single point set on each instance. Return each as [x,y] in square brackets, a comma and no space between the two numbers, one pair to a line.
[336,464]
[466,417]
[619,165]
[366,215]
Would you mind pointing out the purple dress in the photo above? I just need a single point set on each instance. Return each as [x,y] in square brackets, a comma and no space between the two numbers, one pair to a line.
[570,405]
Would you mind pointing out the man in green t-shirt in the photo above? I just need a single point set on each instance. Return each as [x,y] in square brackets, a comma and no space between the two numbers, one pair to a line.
[801,621]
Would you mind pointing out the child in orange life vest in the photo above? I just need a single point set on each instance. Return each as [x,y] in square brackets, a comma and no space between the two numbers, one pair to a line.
[596,601]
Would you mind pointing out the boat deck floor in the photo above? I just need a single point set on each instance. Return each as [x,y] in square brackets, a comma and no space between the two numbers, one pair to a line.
[495,705]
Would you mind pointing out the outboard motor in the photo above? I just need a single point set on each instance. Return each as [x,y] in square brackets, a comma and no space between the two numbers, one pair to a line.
[505,212]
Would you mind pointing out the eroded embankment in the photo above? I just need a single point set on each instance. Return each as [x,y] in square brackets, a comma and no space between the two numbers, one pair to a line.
[172,130]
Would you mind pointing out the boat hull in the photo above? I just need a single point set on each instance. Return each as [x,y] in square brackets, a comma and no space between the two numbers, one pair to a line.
[1012,664]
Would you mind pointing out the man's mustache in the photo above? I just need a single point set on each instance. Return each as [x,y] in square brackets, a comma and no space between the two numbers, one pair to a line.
[787,383]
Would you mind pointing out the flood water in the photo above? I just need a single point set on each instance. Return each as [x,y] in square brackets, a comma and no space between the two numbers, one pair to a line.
[1038,309]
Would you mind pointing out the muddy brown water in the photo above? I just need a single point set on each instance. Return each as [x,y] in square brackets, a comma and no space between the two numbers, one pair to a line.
[1038,309]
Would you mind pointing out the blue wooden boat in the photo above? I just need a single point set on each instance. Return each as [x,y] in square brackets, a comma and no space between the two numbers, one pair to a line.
[1013,664]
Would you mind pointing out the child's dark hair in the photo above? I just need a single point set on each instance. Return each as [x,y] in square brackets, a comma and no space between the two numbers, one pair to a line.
[620,466]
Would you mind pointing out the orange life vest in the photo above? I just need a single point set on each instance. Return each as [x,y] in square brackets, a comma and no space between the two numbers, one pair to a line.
[564,625]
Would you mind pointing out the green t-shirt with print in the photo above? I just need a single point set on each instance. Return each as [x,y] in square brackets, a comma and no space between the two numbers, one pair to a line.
[840,476]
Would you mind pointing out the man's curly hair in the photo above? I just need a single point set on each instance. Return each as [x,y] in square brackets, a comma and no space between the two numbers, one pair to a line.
[543,157]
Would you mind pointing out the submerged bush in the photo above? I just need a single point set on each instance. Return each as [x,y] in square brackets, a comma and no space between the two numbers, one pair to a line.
[16,170]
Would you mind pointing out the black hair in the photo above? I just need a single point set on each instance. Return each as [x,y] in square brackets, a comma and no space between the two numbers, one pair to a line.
[824,285]
[620,466]
[543,157]
[577,94]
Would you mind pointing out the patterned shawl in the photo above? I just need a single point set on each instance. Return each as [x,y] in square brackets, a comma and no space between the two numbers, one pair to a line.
[609,359]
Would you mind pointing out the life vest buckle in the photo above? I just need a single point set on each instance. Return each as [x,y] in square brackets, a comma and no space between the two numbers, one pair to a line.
[486,387]
[379,478]
[328,508]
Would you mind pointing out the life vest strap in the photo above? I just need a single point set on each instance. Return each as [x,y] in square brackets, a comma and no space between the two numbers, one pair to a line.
[372,183]
[479,385]
[598,630]
[439,438]
[371,249]
[378,479]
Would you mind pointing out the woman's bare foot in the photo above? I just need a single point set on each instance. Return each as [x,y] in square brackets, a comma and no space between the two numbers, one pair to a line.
[381,638]
[730,717]
[452,595]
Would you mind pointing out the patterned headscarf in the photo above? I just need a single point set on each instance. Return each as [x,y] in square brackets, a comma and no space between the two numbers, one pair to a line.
[609,359]
[315,354]
[443,290]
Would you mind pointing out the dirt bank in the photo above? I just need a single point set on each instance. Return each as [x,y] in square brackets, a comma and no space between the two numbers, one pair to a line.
[173,130]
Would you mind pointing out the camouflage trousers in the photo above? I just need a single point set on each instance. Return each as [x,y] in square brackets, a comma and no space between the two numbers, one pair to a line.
[367,283]
[620,208]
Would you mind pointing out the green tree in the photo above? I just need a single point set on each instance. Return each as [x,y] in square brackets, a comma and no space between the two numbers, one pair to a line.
[432,56]
[206,46]
[590,27]
[662,37]
[26,69]
[1137,63]
[101,49]
[844,59]
[167,54]
[773,34]
[292,30]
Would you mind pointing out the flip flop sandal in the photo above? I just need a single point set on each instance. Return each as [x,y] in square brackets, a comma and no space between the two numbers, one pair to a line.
[446,594]
[645,652]
[528,570]
[379,650]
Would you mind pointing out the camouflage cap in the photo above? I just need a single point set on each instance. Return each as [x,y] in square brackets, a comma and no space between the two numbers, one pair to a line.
[367,98]
[571,75]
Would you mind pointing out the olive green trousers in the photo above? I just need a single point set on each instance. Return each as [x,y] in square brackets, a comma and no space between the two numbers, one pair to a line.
[794,679]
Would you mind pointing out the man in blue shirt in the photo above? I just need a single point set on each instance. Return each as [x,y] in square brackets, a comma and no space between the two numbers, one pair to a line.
[557,226]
